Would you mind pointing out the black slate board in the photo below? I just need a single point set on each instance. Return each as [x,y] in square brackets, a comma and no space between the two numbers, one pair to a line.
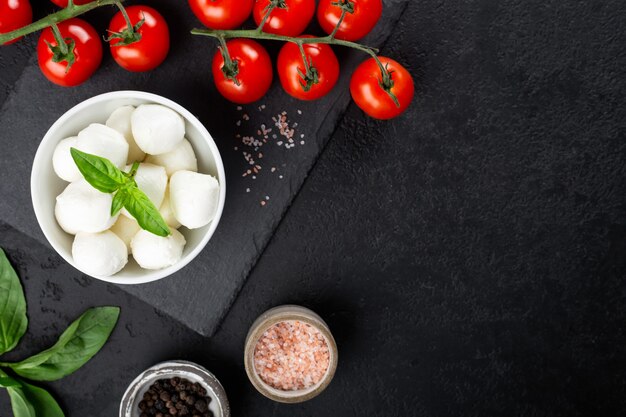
[200,295]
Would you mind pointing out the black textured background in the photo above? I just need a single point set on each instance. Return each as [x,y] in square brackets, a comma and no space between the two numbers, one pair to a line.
[469,256]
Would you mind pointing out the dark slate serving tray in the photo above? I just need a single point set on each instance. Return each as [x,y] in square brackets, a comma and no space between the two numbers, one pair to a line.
[200,295]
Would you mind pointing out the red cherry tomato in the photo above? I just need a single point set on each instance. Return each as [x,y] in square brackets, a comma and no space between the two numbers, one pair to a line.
[14,14]
[150,50]
[322,60]
[222,14]
[291,21]
[355,25]
[254,71]
[63,3]
[369,95]
[87,52]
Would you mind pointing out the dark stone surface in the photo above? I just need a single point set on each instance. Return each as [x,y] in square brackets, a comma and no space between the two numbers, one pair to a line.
[469,256]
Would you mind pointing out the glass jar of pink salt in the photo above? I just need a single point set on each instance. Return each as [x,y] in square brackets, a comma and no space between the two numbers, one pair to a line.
[291,355]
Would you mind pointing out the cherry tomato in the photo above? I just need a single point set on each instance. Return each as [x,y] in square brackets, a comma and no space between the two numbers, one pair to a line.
[254,71]
[222,14]
[322,60]
[87,53]
[291,21]
[368,93]
[355,25]
[14,14]
[63,3]
[154,39]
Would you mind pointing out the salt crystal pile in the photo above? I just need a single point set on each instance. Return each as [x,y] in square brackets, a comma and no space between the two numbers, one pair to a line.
[292,356]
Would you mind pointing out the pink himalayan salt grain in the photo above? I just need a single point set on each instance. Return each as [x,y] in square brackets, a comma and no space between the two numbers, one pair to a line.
[291,356]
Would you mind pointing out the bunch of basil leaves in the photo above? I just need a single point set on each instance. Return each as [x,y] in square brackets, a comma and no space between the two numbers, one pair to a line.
[79,343]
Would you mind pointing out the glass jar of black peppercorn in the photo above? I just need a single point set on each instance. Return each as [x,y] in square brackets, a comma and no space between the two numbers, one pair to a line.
[175,389]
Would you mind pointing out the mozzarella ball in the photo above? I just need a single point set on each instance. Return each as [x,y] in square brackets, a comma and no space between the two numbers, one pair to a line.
[152,180]
[179,159]
[126,228]
[99,254]
[82,208]
[194,198]
[120,121]
[63,163]
[157,129]
[167,213]
[156,252]
[101,140]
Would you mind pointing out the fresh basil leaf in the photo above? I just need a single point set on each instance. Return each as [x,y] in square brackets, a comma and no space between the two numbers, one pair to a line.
[144,211]
[79,343]
[6,382]
[101,173]
[19,403]
[118,201]
[13,320]
[28,400]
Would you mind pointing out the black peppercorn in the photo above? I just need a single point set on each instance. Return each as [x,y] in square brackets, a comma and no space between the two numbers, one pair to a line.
[201,406]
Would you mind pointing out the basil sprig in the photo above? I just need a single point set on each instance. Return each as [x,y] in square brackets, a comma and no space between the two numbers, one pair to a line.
[77,345]
[105,177]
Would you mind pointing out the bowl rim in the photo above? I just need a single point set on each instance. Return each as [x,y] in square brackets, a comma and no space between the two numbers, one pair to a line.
[174,367]
[288,312]
[150,275]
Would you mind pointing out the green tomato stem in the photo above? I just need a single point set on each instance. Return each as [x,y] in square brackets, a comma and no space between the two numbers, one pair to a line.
[126,17]
[230,68]
[336,29]
[59,38]
[254,34]
[69,12]
[268,11]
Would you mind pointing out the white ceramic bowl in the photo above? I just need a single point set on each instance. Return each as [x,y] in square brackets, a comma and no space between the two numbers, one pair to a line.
[46,186]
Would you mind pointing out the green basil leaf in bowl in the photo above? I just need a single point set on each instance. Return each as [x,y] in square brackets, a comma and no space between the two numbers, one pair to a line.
[101,173]
[13,320]
[79,343]
[144,211]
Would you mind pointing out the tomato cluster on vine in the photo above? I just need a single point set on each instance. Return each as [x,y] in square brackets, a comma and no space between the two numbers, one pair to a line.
[243,71]
[70,52]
